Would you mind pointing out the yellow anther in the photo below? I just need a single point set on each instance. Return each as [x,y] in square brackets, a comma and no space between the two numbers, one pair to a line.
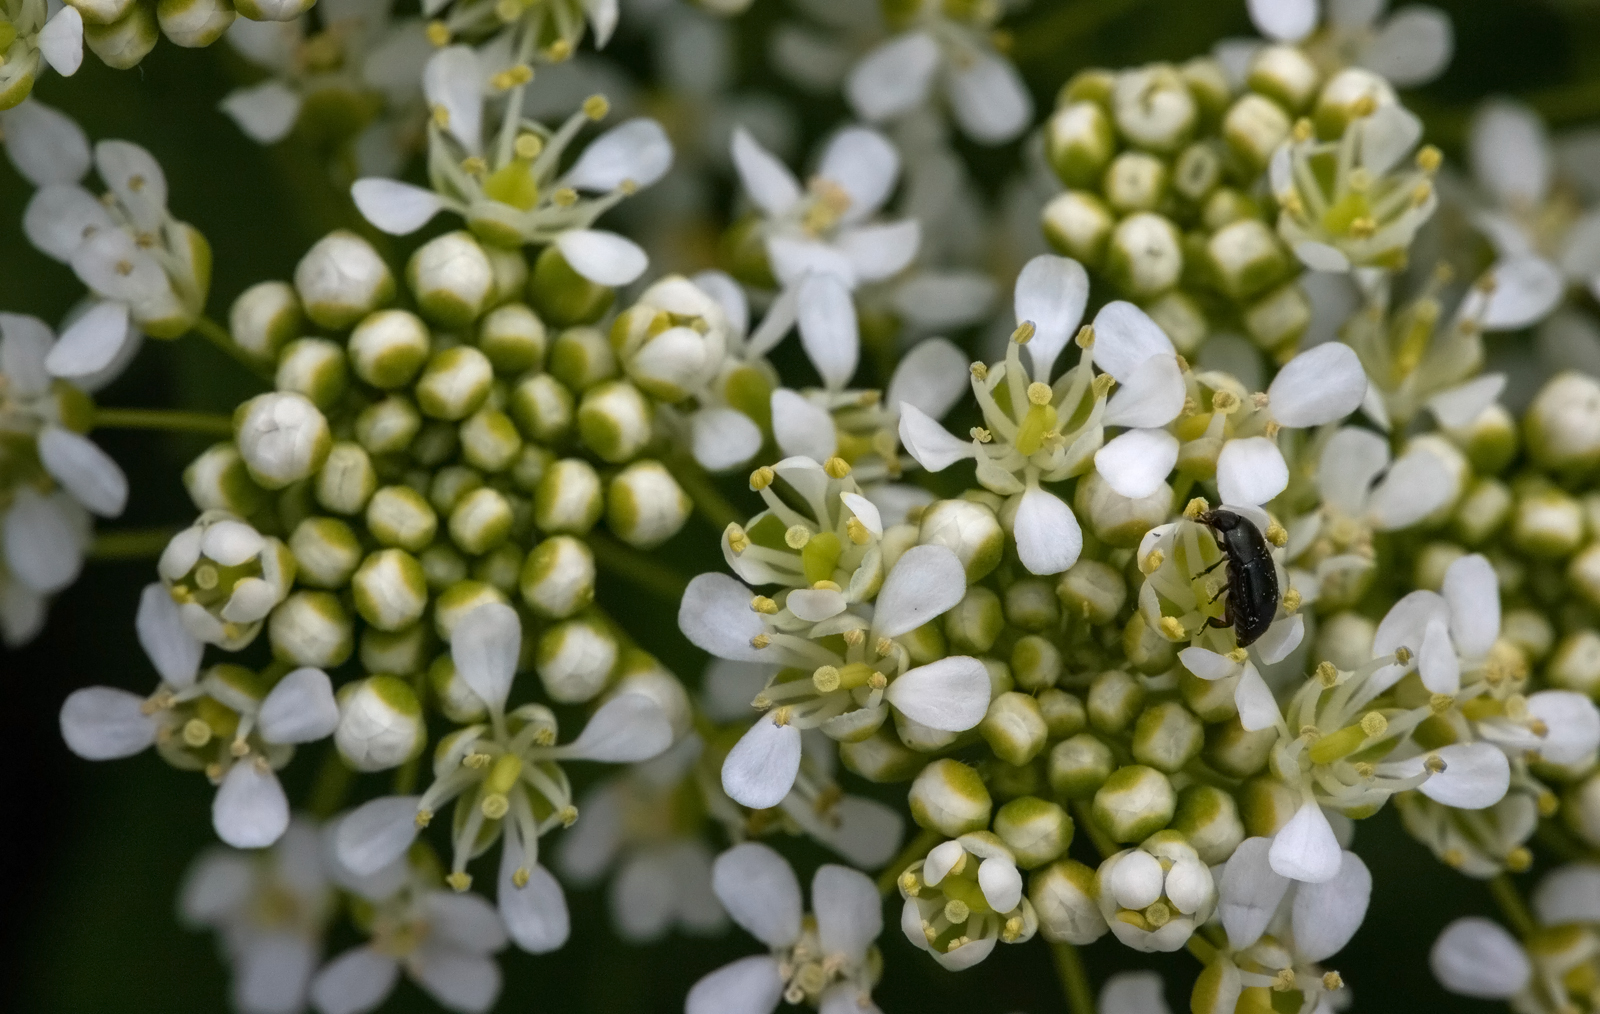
[1310,732]
[1454,858]
[832,586]
[559,51]
[568,815]
[1012,929]
[1024,332]
[1283,981]
[1331,981]
[1302,130]
[1277,534]
[596,107]
[477,760]
[502,81]
[762,604]
[1225,402]
[565,197]
[761,478]
[1084,339]
[423,818]
[1292,204]
[1327,675]
[520,877]
[521,73]
[836,467]
[782,717]
[1518,860]
[1402,655]
[1172,629]
[1363,227]
[858,532]
[760,641]
[528,146]
[981,435]
[1158,914]
[441,117]
[1291,601]
[438,34]
[1183,364]
[1549,803]
[1238,656]
[884,647]
[825,679]
[1366,105]
[1039,393]
[1196,507]
[206,576]
[474,165]
[239,748]
[1102,385]
[979,371]
[1374,724]
[761,702]
[1152,563]
[1365,769]
[797,536]
[1435,764]
[738,541]
[459,881]
[855,638]
[1440,703]
[910,885]
[1429,158]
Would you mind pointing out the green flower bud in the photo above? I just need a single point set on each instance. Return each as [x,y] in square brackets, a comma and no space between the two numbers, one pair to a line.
[456,700]
[925,644]
[219,480]
[1031,605]
[122,43]
[615,421]
[1115,700]
[481,521]
[581,357]
[1012,781]
[402,652]
[568,497]
[1208,819]
[1077,224]
[388,348]
[452,279]
[1153,108]
[1014,728]
[968,529]
[380,724]
[1575,664]
[1347,96]
[1227,205]
[1197,172]
[1546,522]
[561,295]
[1135,181]
[1145,255]
[436,443]
[1092,591]
[450,484]
[347,480]
[976,621]
[1134,803]
[1064,713]
[513,337]
[1079,142]
[1284,73]
[1079,766]
[460,599]
[1530,631]
[1266,804]
[455,383]
[272,10]
[1580,809]
[1246,258]
[1208,83]
[1177,313]
[1036,831]
[399,516]
[326,552]
[1145,647]
[1063,896]
[1112,517]
[881,758]
[1278,319]
[531,464]
[501,567]
[390,589]
[1490,441]
[264,318]
[1212,700]
[489,440]
[1236,752]
[542,407]
[389,426]
[443,565]
[1482,510]
[1167,737]
[1433,560]
[311,628]
[575,659]
[645,506]
[342,279]
[1035,662]
[949,797]
[282,438]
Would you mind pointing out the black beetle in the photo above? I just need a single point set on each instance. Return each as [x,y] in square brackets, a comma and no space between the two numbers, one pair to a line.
[1252,578]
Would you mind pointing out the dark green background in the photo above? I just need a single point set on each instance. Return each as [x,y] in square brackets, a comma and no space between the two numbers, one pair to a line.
[97,850]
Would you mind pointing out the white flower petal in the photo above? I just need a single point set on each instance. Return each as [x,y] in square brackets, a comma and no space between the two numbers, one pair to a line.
[893,78]
[46,145]
[1305,849]
[1568,894]
[801,427]
[459,982]
[1350,462]
[1416,485]
[636,151]
[1124,337]
[265,112]
[1136,463]
[846,998]
[103,723]
[747,986]
[1472,591]
[932,376]
[934,447]
[1406,621]
[951,695]
[1320,385]
[453,80]
[716,616]
[87,472]
[1049,538]
[988,98]
[271,975]
[465,921]
[880,251]
[1436,662]
[1525,290]
[1133,993]
[1280,639]
[828,332]
[1572,725]
[815,604]
[356,981]
[136,178]
[867,832]
[166,642]
[1510,153]
[484,646]
[1412,48]
[761,768]
[1326,916]
[1207,664]
[24,345]
[1321,256]
[793,258]
[1051,293]
[944,300]
[766,179]
[758,888]
[43,545]
[1251,471]
[300,709]
[1001,883]
[967,955]
[1478,958]
[849,911]
[1153,395]
[60,216]
[629,727]
[376,833]
[1390,133]
[91,342]
[1476,775]
[1284,20]
[61,41]
[1248,892]
[1257,708]
[397,208]
[604,258]
[864,510]
[535,914]
[723,438]
[866,165]
[250,810]
[925,582]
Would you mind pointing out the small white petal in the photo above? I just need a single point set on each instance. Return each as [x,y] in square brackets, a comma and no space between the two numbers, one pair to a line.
[766,179]
[1284,20]
[801,427]
[270,976]
[716,616]
[1049,538]
[1133,993]
[865,164]
[602,257]
[1124,337]
[91,342]
[1460,405]
[136,178]
[1436,662]
[1001,883]
[1321,256]
[87,472]
[103,723]
[793,259]
[1248,892]
[934,447]
[951,695]
[356,981]
[636,151]
[1416,485]
[827,319]
[60,216]
[893,78]
[1051,293]
[1257,708]
[465,921]
[1207,664]
[469,983]
[1510,153]
[25,343]
[397,208]
[43,544]
[454,80]
[376,833]
[761,768]
[1478,958]
[1568,894]
[250,810]
[166,642]
[880,251]
[1136,463]
[1525,290]
[1412,48]
[1476,775]
[46,145]
[1326,916]
[925,582]
[61,42]
[1283,637]
[1321,385]
[1305,849]
[988,98]
[816,604]
[535,914]
[864,510]
[868,832]
[1572,725]
[265,112]
[758,888]
[629,727]
[484,646]
[300,709]
[1472,591]
[932,376]
[723,438]
[1350,461]
[1251,471]
[1152,396]
[747,986]
[849,911]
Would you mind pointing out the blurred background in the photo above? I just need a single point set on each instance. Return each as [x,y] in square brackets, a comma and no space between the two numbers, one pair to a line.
[98,851]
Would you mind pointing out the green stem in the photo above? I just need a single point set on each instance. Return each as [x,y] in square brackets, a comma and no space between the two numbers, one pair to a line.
[1202,949]
[172,420]
[1512,906]
[708,499]
[218,335]
[624,561]
[131,544]
[917,849]
[1074,980]
[331,786]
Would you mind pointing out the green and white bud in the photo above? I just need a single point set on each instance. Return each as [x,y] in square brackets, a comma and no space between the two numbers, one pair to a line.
[1063,896]
[1347,96]
[312,367]
[443,565]
[436,443]
[102,12]
[452,279]
[460,599]
[194,24]
[561,295]
[1490,441]
[582,357]
[575,659]
[976,621]
[1035,663]
[1575,663]
[1135,181]
[264,318]
[389,426]
[1208,83]
[1079,142]
[1482,510]
[514,339]
[1036,831]
[501,566]
[272,10]
[455,383]
[1014,728]
[1115,700]
[1145,255]
[615,421]
[968,529]
[1530,631]
[1562,425]
[342,279]
[1092,591]
[388,348]
[1278,319]
[326,552]
[531,464]
[1212,700]
[219,480]
[489,440]
[402,652]
[1077,224]
[399,516]
[311,628]
[1285,74]
[568,498]
[380,724]
[510,273]
[456,700]
[949,797]
[1197,172]
[1182,318]
[1432,561]
[542,407]
[1547,522]
[1134,803]
[282,438]
[641,673]
[882,758]
[1153,108]
[645,506]
[927,644]
[1167,737]
[1208,819]
[1580,809]
[122,43]
[347,479]
[1113,518]
[1079,766]
[1031,605]
[1236,752]
[1266,805]
[1064,713]
[390,589]
[1247,258]
[450,484]
[481,521]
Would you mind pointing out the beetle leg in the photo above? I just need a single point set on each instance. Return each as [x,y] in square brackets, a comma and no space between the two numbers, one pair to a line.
[1226,620]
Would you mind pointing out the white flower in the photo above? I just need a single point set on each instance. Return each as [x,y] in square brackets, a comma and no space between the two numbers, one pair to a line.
[1254,898]
[1409,47]
[226,723]
[270,909]
[961,927]
[225,578]
[504,777]
[1133,993]
[56,38]
[826,961]
[566,20]
[1165,889]
[1478,958]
